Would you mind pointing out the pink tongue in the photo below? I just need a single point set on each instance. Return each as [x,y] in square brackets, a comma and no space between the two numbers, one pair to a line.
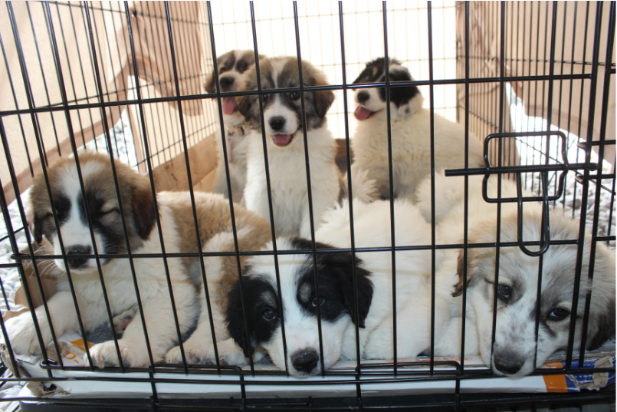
[229,105]
[281,139]
[362,113]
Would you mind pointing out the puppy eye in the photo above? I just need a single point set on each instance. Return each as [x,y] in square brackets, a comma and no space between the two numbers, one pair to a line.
[504,291]
[266,97]
[294,95]
[269,314]
[316,303]
[558,314]
[106,212]
[222,68]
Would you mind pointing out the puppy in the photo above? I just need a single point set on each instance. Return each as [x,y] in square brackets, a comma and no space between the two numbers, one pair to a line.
[410,132]
[106,212]
[336,300]
[515,345]
[231,68]
[285,125]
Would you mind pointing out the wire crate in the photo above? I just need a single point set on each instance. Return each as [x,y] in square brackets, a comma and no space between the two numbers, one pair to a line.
[534,81]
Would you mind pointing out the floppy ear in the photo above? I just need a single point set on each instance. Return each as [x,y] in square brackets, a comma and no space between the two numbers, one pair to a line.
[323,100]
[210,84]
[345,269]
[142,205]
[602,309]
[601,324]
[244,105]
[37,229]
[235,321]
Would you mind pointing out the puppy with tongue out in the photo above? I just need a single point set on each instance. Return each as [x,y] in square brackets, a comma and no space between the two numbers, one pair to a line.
[285,122]
[410,127]
[232,67]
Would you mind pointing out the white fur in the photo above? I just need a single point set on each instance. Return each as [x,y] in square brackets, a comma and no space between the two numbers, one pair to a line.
[411,145]
[288,181]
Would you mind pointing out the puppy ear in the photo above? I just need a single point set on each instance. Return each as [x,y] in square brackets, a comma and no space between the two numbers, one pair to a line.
[37,228]
[345,267]
[473,256]
[210,84]
[244,104]
[323,100]
[602,309]
[235,321]
[142,205]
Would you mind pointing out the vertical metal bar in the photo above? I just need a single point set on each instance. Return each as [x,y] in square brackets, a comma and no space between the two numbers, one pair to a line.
[268,184]
[432,150]
[350,204]
[586,174]
[391,181]
[308,186]
[466,199]
[596,212]
[499,182]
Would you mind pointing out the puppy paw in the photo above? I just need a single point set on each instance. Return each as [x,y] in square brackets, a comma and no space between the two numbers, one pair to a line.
[134,355]
[22,334]
[231,354]
[195,355]
[122,320]
[378,349]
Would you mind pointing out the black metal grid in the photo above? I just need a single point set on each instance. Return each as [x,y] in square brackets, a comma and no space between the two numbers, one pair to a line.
[506,159]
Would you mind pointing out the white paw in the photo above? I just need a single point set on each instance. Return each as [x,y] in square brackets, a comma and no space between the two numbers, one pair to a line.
[201,353]
[196,353]
[134,355]
[22,334]
[377,348]
[231,354]
[122,320]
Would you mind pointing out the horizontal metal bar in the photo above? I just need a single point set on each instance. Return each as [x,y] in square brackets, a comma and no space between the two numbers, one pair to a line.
[520,169]
[296,252]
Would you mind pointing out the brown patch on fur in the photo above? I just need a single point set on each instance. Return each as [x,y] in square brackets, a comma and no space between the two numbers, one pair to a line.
[213,217]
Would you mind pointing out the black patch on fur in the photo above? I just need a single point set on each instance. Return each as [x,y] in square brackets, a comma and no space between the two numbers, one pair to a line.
[374,72]
[335,272]
[260,330]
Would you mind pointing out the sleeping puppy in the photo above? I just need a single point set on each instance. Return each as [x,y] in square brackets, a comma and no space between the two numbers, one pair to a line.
[517,286]
[137,205]
[284,127]
[336,301]
[410,132]
[231,68]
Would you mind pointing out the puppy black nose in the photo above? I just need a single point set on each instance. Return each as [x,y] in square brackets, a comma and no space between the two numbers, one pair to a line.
[509,363]
[277,122]
[76,262]
[226,81]
[363,96]
[305,360]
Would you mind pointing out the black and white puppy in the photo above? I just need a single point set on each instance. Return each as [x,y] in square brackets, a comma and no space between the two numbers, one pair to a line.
[232,66]
[410,131]
[284,125]
[336,301]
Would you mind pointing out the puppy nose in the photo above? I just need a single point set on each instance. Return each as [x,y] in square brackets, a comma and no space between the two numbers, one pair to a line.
[226,82]
[363,96]
[277,122]
[509,362]
[305,360]
[76,262]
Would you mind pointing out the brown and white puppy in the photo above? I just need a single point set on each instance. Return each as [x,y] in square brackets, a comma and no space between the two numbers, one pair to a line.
[231,68]
[284,125]
[97,221]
